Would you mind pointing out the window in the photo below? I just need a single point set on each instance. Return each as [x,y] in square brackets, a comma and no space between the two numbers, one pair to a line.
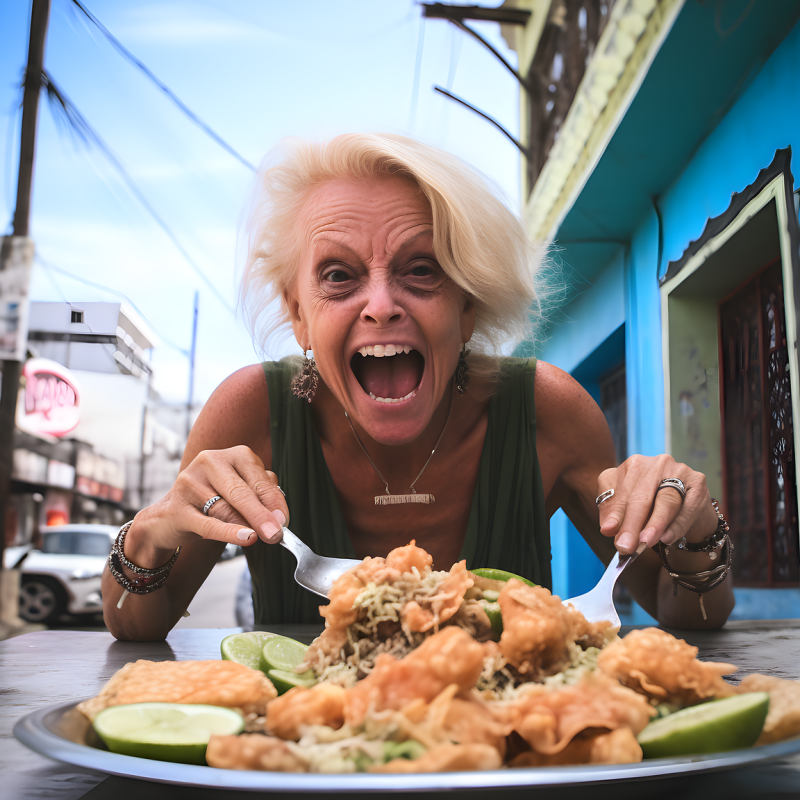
[758,439]
[79,543]
[76,316]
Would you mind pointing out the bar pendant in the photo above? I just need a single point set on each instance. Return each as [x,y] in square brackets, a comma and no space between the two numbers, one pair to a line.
[396,499]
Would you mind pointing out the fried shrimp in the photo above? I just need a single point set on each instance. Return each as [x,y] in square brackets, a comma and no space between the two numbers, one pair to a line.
[550,719]
[783,719]
[664,668]
[538,630]
[447,758]
[216,683]
[322,704]
[451,656]
[617,747]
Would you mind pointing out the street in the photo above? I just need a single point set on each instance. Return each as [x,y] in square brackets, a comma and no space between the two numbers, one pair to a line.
[213,605]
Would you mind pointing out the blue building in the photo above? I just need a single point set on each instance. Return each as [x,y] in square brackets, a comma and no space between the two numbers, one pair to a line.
[659,162]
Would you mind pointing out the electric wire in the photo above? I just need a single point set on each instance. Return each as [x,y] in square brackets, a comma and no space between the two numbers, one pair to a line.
[50,267]
[125,53]
[81,126]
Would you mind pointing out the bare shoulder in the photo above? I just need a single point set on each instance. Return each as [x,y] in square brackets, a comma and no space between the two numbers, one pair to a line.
[572,432]
[236,413]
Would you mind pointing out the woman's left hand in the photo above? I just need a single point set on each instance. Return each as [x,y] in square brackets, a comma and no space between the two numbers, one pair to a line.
[639,512]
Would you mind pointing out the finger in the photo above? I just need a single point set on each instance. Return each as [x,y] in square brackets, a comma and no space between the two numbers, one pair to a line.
[228,483]
[214,529]
[608,509]
[697,513]
[265,486]
[641,501]
[223,511]
[667,509]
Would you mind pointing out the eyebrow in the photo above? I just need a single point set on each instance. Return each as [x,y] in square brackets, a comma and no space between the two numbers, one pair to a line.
[343,246]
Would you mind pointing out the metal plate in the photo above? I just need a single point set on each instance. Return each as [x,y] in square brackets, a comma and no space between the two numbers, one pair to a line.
[39,732]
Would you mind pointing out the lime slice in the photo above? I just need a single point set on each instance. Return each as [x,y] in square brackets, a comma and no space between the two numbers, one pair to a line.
[246,648]
[729,724]
[499,575]
[281,656]
[283,680]
[282,653]
[165,731]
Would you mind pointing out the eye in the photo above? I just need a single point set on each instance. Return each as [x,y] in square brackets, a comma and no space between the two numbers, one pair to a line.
[337,276]
[422,270]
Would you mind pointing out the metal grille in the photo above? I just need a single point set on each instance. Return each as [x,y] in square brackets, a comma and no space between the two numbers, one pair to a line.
[758,457]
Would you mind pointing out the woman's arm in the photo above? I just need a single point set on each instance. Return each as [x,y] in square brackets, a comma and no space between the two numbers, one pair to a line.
[576,449]
[228,453]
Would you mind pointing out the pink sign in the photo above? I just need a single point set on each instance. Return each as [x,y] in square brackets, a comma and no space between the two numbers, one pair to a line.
[49,405]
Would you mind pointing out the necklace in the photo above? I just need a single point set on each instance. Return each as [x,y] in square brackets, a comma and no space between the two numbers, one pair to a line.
[389,499]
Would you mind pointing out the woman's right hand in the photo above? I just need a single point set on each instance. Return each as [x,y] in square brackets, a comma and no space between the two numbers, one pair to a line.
[252,507]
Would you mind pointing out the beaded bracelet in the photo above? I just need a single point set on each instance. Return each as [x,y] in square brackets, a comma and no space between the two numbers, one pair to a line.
[150,580]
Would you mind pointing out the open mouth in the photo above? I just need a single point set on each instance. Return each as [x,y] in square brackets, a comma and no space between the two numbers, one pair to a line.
[388,373]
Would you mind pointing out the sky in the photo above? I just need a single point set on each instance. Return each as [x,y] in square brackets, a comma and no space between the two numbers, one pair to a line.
[255,71]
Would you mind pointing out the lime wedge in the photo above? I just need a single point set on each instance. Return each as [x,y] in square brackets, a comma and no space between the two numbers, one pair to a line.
[281,656]
[282,653]
[729,724]
[499,575]
[495,617]
[283,680]
[165,731]
[245,648]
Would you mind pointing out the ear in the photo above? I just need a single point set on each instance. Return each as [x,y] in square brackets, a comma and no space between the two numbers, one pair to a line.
[298,321]
[467,319]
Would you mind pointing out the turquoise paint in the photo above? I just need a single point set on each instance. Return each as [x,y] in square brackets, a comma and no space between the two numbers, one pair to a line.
[766,118]
[602,302]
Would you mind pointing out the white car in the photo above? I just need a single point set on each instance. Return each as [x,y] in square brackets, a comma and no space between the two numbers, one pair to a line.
[63,576]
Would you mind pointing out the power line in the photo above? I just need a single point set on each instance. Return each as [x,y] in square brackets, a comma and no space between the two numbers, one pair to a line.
[125,53]
[50,266]
[79,124]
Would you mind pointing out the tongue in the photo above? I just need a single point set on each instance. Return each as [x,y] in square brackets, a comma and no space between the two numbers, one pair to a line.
[394,376]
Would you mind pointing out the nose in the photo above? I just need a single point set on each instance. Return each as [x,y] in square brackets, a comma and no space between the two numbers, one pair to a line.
[381,307]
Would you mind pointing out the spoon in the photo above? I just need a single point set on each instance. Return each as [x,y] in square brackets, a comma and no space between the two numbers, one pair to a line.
[315,573]
[598,604]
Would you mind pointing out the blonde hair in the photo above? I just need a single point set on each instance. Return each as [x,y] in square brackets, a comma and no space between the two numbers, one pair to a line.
[480,244]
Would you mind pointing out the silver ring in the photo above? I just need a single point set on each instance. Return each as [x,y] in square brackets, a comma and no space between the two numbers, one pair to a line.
[673,483]
[210,502]
[606,495]
[282,492]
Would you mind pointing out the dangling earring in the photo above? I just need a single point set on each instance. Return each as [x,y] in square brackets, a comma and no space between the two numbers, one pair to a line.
[462,370]
[304,384]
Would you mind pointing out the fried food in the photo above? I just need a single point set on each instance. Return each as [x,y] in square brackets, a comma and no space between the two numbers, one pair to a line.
[322,704]
[390,606]
[538,630]
[664,668]
[451,656]
[783,718]
[617,747]
[549,719]
[254,751]
[447,758]
[216,683]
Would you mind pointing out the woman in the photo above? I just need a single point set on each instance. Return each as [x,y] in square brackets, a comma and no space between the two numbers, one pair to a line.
[402,273]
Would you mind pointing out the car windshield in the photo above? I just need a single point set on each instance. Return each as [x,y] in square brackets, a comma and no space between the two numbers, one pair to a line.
[79,543]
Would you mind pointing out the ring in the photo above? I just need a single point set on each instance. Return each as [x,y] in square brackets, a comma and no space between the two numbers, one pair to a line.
[210,502]
[281,491]
[606,495]
[673,483]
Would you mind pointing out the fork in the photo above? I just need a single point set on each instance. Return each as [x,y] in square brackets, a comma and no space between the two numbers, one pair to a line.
[315,573]
[597,605]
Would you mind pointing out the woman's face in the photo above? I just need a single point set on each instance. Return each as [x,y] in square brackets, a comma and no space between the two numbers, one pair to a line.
[384,321]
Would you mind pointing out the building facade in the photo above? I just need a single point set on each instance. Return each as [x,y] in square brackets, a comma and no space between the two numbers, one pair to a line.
[660,166]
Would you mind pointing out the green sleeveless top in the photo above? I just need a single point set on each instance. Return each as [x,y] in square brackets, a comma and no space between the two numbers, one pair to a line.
[507,529]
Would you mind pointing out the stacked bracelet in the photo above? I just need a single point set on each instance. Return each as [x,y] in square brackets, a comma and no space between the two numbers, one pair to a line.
[149,579]
[715,545]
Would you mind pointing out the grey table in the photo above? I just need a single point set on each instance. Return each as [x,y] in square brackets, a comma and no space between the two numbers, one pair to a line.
[40,669]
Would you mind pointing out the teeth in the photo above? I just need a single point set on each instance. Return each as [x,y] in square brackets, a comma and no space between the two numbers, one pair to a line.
[393,399]
[381,350]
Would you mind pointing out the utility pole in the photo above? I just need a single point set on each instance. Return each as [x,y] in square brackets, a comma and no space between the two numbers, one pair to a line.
[16,254]
[191,368]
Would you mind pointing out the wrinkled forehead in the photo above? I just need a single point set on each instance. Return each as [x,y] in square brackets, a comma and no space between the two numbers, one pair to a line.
[382,211]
